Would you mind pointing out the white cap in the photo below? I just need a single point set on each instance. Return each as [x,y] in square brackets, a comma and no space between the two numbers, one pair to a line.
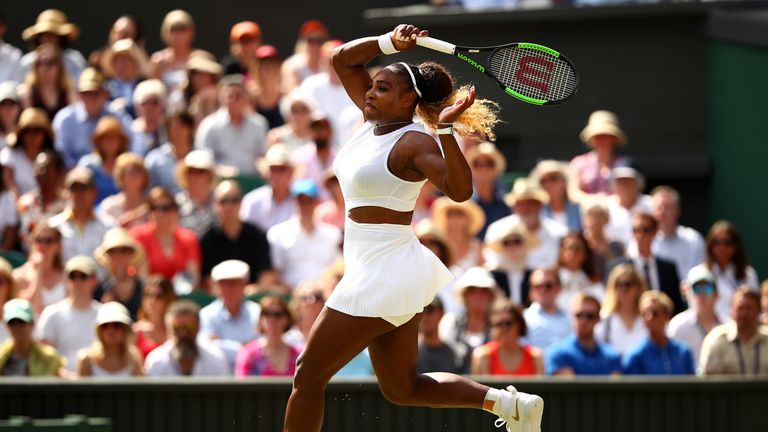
[113,312]
[230,269]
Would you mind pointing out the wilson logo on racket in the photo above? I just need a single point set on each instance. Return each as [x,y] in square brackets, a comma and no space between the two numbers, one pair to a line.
[535,72]
[477,65]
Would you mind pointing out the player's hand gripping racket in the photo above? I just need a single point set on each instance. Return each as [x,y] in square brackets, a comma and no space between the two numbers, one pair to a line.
[530,72]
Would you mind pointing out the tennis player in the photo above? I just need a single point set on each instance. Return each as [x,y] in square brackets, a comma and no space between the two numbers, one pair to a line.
[389,276]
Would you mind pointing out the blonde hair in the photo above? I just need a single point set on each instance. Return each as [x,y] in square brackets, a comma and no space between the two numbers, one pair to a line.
[64,82]
[126,160]
[610,302]
[177,16]
[649,297]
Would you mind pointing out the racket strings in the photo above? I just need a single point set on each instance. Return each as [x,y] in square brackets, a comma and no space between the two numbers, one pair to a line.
[533,73]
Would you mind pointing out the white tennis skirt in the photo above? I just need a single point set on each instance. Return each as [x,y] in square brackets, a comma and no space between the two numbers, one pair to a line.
[387,272]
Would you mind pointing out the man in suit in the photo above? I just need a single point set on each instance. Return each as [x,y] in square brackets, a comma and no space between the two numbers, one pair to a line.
[661,275]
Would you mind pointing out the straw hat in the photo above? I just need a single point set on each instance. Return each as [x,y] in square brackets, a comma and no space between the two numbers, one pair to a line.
[603,122]
[510,228]
[488,149]
[114,238]
[523,189]
[198,159]
[199,62]
[125,46]
[90,80]
[474,213]
[109,125]
[277,155]
[478,277]
[32,118]
[51,21]
[113,312]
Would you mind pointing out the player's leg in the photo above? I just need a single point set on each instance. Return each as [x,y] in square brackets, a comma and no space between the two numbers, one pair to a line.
[335,339]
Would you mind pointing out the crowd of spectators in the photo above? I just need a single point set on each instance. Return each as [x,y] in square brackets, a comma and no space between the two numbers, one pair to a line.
[173,214]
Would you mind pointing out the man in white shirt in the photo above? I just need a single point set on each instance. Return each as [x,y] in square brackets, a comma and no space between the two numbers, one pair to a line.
[70,324]
[682,245]
[235,134]
[10,57]
[627,184]
[183,354]
[303,247]
[271,204]
[526,200]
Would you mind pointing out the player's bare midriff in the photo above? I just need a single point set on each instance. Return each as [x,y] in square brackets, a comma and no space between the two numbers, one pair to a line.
[374,215]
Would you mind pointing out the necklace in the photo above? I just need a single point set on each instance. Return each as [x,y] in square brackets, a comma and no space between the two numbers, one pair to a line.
[393,124]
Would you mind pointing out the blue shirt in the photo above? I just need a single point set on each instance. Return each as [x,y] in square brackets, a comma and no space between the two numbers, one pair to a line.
[232,332]
[161,164]
[544,328]
[105,183]
[648,358]
[494,209]
[74,130]
[571,354]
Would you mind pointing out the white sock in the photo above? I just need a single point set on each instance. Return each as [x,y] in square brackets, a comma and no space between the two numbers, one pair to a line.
[492,402]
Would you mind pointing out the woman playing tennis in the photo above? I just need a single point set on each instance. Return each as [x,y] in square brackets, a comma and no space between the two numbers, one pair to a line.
[389,276]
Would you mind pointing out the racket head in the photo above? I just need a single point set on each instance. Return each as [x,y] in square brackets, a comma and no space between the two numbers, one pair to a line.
[533,73]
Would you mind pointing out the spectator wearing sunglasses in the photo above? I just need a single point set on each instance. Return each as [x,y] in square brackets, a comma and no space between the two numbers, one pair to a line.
[122,258]
[269,355]
[511,270]
[547,324]
[581,353]
[505,353]
[658,354]
[621,326]
[41,278]
[68,325]
[113,354]
[693,324]
[436,354]
[178,34]
[307,301]
[197,178]
[727,259]
[488,165]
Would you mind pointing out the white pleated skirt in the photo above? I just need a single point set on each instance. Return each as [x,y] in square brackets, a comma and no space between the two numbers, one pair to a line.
[387,272]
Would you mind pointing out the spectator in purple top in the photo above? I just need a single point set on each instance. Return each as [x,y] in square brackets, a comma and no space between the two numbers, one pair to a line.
[593,169]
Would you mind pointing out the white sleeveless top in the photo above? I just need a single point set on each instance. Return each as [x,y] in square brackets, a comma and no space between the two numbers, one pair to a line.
[364,175]
[97,371]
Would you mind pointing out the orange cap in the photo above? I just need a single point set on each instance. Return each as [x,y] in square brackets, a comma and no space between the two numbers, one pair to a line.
[244,29]
[312,26]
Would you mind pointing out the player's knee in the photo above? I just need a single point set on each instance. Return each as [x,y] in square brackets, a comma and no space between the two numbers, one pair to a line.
[398,394]
[306,377]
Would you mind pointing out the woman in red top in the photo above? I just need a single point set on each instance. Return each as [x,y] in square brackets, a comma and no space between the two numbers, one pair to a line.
[150,328]
[504,355]
[170,249]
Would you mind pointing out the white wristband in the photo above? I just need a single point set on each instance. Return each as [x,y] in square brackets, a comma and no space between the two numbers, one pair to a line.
[385,44]
[448,130]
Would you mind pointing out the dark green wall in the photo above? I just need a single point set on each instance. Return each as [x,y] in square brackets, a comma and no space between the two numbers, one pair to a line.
[738,142]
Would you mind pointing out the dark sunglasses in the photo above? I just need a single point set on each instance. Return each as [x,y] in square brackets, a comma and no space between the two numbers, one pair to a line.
[185,328]
[77,276]
[46,240]
[155,296]
[549,179]
[512,242]
[503,324]
[590,316]
[723,242]
[79,187]
[273,314]
[229,200]
[313,298]
[484,164]
[625,284]
[653,313]
[113,326]
[179,27]
[123,250]
[46,62]
[642,230]
[545,285]
[162,208]
[316,40]
[704,289]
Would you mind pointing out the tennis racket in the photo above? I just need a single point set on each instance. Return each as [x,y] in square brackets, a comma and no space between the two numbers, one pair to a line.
[530,72]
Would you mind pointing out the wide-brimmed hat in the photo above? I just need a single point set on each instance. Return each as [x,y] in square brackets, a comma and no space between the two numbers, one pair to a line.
[230,269]
[488,149]
[548,166]
[523,189]
[110,125]
[129,47]
[196,159]
[81,263]
[443,205]
[8,91]
[277,155]
[478,277]
[51,21]
[114,238]
[90,80]
[201,62]
[244,29]
[32,118]
[603,122]
[495,239]
[113,312]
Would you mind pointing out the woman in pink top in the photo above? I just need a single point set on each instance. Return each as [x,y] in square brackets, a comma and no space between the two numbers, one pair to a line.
[170,248]
[269,355]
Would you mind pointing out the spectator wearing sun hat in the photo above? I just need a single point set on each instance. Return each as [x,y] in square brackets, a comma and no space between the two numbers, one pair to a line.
[527,199]
[33,135]
[52,26]
[303,247]
[196,176]
[553,177]
[178,34]
[125,63]
[21,355]
[603,134]
[75,124]
[235,134]
[488,165]
[306,58]
[271,204]
[460,222]
[511,270]
[244,38]
[68,325]
[110,140]
[113,353]
[123,261]
[628,199]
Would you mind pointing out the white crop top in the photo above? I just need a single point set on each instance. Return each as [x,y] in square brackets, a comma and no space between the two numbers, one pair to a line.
[364,176]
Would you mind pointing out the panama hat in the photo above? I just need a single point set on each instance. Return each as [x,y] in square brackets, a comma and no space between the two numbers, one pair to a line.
[51,21]
[201,62]
[478,277]
[32,118]
[524,189]
[198,159]
[474,213]
[90,80]
[603,122]
[230,269]
[115,238]
[509,228]
[548,166]
[488,149]
[129,47]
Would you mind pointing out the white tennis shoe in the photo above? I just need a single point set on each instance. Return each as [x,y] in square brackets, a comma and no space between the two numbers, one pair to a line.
[521,412]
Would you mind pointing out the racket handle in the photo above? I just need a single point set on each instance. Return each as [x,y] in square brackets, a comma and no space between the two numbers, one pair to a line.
[436,44]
